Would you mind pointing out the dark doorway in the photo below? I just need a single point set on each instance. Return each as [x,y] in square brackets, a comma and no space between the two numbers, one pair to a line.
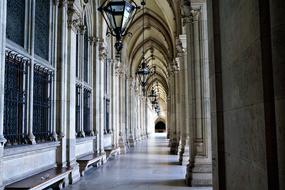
[160,127]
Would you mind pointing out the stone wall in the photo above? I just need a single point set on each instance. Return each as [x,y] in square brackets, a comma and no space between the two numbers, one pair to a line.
[245,71]
[277,8]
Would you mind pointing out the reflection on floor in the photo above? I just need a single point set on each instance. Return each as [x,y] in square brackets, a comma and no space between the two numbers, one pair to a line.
[147,167]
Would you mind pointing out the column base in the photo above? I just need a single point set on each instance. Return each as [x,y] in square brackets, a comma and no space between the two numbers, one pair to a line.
[199,175]
[131,141]
[104,158]
[75,174]
[122,146]
[181,155]
[174,147]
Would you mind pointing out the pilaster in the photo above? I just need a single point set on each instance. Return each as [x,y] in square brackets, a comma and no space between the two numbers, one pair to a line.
[199,168]
[3,8]
[131,108]
[72,26]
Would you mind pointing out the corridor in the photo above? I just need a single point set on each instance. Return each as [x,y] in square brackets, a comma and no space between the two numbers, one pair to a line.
[146,167]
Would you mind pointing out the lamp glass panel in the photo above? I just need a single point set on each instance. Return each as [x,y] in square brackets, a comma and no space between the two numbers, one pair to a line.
[128,15]
[110,20]
[118,20]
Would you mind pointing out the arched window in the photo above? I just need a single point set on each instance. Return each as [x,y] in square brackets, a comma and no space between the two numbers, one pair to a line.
[83,87]
[20,63]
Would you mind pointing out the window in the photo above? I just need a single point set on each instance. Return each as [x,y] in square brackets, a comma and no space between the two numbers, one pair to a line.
[106,99]
[42,16]
[15,29]
[86,69]
[83,87]
[15,99]
[86,124]
[77,108]
[19,79]
[107,116]
[41,104]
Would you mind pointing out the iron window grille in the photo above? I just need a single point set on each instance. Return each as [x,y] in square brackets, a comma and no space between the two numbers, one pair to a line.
[15,99]
[42,104]
[107,116]
[86,112]
[77,108]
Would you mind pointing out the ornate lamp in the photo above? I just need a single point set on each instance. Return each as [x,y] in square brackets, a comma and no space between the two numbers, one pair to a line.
[152,95]
[118,15]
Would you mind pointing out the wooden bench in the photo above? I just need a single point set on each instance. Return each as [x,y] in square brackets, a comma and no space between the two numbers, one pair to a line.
[84,162]
[53,178]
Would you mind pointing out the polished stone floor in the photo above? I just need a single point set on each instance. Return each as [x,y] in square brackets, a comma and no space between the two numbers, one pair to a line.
[147,167]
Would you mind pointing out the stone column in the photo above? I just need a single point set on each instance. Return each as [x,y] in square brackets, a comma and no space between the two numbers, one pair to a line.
[100,96]
[189,77]
[181,108]
[3,8]
[61,84]
[201,166]
[122,99]
[92,62]
[185,98]
[174,143]
[131,108]
[81,31]
[168,117]
[30,85]
[116,104]
[70,91]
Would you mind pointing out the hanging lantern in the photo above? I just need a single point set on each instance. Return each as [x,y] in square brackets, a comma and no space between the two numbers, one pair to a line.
[143,73]
[152,95]
[118,14]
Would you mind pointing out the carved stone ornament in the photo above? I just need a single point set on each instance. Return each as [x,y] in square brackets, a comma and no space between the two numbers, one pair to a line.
[73,20]
[102,49]
[185,8]
[179,48]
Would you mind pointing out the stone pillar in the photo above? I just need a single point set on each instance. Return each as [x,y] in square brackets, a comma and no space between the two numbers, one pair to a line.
[131,116]
[168,117]
[201,169]
[70,89]
[30,86]
[116,102]
[3,8]
[92,60]
[181,100]
[61,84]
[185,109]
[122,99]
[100,99]
[189,77]
[173,124]
[80,33]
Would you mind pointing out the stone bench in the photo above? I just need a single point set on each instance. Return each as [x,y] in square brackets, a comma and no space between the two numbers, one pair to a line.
[112,152]
[93,159]
[53,178]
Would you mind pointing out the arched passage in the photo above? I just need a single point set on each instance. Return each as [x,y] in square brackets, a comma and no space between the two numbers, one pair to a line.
[160,127]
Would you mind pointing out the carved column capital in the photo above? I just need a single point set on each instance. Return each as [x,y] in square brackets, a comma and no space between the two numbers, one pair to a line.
[92,40]
[102,49]
[73,17]
[179,48]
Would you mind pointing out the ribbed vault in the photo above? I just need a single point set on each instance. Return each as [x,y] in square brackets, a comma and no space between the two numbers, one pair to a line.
[160,33]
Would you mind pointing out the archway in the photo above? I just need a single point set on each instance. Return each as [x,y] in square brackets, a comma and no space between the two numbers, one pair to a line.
[160,127]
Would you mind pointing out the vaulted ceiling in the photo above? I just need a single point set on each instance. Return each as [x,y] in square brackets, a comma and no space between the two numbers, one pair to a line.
[161,28]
